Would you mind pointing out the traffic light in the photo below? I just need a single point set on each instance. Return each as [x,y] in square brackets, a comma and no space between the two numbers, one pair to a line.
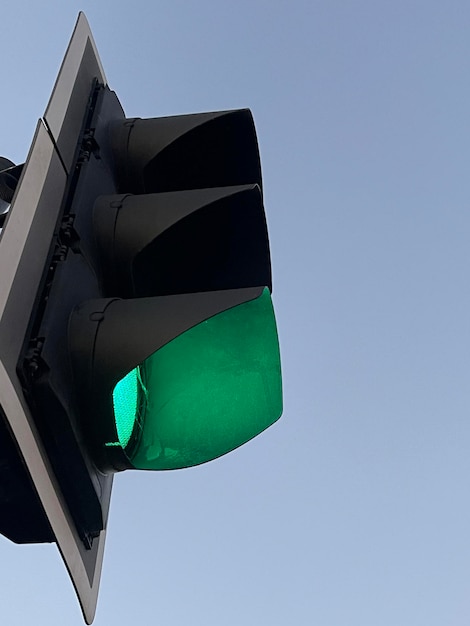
[150,341]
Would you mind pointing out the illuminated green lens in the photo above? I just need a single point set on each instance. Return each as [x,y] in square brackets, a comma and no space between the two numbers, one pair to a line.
[125,399]
[203,394]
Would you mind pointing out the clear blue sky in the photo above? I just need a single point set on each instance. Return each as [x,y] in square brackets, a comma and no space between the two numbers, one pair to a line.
[354,509]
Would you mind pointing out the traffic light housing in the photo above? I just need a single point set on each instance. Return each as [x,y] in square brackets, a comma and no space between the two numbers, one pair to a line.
[151,340]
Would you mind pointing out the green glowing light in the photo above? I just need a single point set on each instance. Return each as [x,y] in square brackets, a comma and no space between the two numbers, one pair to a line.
[125,400]
[205,393]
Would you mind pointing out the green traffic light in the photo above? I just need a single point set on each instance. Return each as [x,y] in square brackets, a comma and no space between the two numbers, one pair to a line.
[204,393]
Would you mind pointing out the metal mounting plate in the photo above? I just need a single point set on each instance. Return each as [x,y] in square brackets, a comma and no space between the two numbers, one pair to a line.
[24,247]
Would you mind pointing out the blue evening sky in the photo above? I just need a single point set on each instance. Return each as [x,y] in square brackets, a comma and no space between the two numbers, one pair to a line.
[354,509]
